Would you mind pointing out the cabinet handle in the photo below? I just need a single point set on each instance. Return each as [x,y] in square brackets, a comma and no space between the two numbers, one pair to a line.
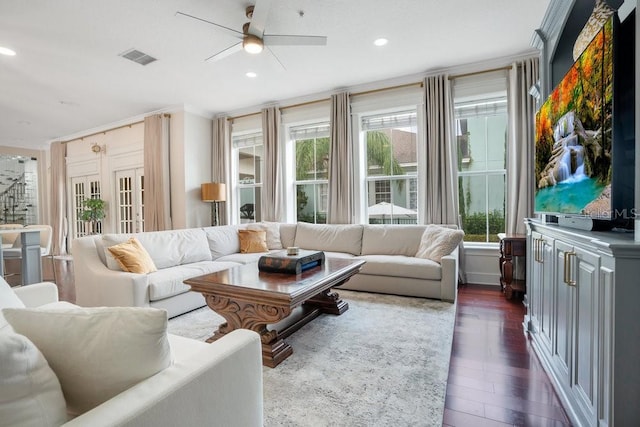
[568,267]
[538,250]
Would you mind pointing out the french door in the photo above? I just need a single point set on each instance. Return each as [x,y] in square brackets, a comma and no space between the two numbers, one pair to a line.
[82,188]
[130,200]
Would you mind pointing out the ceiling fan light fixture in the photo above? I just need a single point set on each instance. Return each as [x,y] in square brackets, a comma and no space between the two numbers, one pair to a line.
[252,44]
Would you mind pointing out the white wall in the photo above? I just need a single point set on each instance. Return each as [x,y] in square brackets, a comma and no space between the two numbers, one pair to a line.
[481,264]
[197,158]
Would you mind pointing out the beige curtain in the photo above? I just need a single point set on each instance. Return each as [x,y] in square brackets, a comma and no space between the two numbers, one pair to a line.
[58,198]
[272,201]
[157,183]
[340,209]
[522,110]
[440,203]
[220,152]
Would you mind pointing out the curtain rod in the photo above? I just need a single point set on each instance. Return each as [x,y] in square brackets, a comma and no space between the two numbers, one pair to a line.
[128,125]
[302,104]
[475,73]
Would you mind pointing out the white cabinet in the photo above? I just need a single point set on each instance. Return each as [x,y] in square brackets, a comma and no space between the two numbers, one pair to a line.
[580,284]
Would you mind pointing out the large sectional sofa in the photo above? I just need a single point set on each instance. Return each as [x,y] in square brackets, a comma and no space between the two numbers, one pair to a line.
[389,251]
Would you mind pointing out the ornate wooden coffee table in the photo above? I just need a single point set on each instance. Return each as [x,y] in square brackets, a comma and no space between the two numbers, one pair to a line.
[274,304]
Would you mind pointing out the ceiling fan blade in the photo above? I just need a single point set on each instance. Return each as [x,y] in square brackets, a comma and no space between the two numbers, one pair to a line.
[259,18]
[284,40]
[228,30]
[277,59]
[224,53]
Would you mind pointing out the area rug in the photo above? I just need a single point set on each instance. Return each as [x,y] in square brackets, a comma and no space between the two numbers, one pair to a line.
[383,362]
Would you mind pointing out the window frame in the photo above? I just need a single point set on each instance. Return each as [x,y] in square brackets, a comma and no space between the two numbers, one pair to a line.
[235,174]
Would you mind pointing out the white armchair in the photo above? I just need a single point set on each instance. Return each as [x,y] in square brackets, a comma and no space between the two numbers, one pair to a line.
[217,384]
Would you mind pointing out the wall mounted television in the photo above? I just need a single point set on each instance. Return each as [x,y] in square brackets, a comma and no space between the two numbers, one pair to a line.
[585,134]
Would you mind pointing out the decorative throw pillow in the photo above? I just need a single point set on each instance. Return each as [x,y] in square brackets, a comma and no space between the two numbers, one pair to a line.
[30,393]
[252,241]
[133,257]
[438,241]
[273,233]
[96,352]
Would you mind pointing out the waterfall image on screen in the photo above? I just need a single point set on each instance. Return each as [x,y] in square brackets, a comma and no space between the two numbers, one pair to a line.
[573,136]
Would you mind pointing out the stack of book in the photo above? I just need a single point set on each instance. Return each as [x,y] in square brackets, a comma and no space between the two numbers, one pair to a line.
[281,262]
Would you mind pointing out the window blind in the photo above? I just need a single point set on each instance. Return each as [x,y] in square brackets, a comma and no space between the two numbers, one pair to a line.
[385,121]
[248,140]
[320,130]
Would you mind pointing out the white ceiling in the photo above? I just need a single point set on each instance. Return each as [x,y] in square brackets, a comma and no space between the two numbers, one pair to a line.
[67,76]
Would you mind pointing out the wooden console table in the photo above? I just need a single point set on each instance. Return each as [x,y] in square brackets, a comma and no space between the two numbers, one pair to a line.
[512,246]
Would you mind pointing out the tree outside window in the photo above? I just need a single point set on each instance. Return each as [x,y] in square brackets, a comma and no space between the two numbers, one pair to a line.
[312,171]
[392,161]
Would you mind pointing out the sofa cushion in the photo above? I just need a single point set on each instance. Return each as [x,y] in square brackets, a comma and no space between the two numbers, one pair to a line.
[96,352]
[438,241]
[169,248]
[391,239]
[8,299]
[223,240]
[30,393]
[401,266]
[244,258]
[169,282]
[131,256]
[252,241]
[330,237]
[273,233]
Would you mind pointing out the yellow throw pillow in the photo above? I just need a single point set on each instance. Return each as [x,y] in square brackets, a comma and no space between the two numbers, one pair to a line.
[133,257]
[253,241]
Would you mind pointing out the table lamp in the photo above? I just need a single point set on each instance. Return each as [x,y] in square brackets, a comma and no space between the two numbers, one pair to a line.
[214,192]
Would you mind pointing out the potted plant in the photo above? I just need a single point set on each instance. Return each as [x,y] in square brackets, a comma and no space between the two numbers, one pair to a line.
[93,213]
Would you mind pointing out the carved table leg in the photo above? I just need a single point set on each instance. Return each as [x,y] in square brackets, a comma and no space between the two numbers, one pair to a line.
[328,302]
[507,268]
[256,317]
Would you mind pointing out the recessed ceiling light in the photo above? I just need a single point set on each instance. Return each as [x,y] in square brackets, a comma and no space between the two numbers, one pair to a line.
[381,42]
[7,51]
[251,74]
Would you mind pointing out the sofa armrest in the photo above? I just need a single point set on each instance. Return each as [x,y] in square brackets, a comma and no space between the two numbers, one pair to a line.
[220,385]
[97,285]
[449,281]
[37,294]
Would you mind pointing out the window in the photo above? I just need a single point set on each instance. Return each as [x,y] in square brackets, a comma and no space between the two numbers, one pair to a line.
[481,123]
[249,156]
[312,164]
[391,167]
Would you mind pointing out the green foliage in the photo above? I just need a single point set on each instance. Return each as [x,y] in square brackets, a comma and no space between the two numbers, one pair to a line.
[475,226]
[94,210]
[312,158]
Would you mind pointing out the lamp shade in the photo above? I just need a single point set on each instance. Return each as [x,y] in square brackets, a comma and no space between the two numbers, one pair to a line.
[213,192]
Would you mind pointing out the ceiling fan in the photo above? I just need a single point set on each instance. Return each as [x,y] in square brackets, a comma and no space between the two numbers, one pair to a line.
[253,39]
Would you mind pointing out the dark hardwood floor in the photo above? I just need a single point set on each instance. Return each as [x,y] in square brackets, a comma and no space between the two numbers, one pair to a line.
[495,379]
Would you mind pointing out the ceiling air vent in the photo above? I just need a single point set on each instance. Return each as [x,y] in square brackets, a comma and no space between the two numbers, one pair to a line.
[138,57]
